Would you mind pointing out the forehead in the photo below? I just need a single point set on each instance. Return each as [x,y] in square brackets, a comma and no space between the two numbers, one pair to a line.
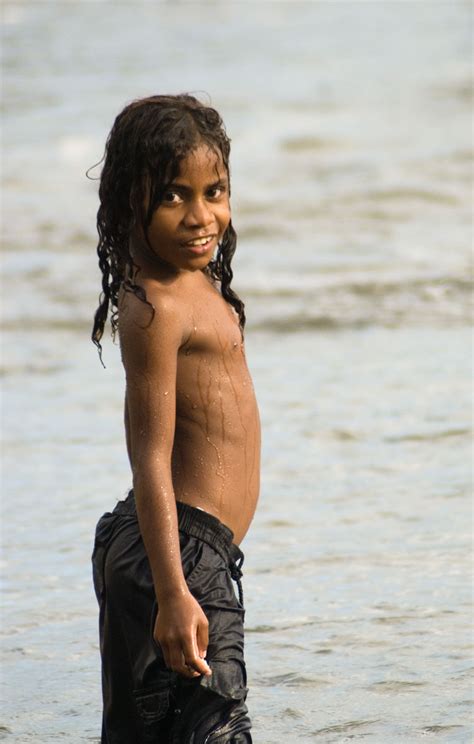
[203,162]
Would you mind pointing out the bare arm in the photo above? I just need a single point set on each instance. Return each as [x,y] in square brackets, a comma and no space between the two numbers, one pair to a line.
[149,353]
[126,421]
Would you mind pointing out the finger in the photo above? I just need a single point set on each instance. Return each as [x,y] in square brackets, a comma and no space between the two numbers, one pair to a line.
[184,670]
[178,664]
[176,658]
[192,657]
[187,672]
[202,636]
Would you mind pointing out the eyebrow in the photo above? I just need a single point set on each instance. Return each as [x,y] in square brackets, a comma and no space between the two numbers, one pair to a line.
[223,181]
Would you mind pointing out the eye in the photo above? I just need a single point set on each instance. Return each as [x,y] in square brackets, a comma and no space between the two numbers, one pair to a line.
[171,197]
[216,191]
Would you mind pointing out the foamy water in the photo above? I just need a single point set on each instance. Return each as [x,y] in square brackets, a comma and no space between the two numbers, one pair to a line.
[352,174]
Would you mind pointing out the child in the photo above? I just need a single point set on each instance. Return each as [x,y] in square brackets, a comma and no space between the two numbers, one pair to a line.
[171,626]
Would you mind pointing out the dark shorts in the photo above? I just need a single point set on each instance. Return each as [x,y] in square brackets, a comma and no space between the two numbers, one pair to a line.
[145,702]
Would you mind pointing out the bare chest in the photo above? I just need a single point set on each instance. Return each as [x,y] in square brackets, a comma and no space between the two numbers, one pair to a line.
[212,373]
[214,330]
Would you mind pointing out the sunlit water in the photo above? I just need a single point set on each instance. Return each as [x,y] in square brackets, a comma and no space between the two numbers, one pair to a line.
[351,194]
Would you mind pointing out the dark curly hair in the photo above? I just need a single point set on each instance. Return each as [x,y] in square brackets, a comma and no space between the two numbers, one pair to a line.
[144,149]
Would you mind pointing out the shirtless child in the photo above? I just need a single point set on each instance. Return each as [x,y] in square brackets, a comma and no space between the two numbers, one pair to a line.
[171,625]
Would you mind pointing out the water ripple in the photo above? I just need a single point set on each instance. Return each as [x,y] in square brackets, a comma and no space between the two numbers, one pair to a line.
[342,728]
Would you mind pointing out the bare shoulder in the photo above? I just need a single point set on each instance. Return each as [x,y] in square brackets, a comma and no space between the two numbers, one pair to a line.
[150,327]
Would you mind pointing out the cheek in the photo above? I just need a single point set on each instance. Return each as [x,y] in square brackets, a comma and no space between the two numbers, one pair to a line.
[224,217]
[160,226]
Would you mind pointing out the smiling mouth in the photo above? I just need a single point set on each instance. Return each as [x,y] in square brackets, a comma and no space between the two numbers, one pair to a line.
[199,245]
[200,241]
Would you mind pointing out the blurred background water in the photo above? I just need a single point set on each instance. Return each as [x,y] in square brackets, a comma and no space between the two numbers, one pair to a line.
[352,190]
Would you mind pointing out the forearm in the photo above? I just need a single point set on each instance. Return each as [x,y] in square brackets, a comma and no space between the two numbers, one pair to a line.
[157,517]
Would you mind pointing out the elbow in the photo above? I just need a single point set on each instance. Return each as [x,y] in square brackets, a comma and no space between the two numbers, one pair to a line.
[150,470]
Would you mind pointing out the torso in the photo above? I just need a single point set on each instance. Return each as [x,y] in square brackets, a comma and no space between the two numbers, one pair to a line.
[216,451]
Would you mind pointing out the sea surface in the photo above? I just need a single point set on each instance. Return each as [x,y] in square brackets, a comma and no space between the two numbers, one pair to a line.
[352,195]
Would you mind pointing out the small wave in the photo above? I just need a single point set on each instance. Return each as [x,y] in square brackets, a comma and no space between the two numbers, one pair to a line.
[285,625]
[308,143]
[344,436]
[396,685]
[292,679]
[411,195]
[359,304]
[392,619]
[50,234]
[299,324]
[341,728]
[462,156]
[280,523]
[323,559]
[14,370]
[261,629]
[429,436]
[438,729]
[253,231]
[29,323]
[460,91]
[295,323]
[432,288]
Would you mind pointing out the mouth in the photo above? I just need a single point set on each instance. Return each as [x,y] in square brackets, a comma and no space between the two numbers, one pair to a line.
[201,245]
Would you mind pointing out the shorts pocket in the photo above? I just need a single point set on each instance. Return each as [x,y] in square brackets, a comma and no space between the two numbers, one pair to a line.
[206,559]
[152,706]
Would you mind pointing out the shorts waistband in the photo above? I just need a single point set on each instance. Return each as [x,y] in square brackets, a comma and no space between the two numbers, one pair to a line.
[196,523]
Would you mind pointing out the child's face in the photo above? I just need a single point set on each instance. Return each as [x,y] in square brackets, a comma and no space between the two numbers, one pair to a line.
[194,214]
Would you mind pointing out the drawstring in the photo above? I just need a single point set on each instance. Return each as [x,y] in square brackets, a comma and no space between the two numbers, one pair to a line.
[236,574]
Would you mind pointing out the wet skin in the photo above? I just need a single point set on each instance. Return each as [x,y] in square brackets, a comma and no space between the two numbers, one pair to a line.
[191,418]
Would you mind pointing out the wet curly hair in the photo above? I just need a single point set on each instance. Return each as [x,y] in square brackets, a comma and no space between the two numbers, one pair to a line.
[144,149]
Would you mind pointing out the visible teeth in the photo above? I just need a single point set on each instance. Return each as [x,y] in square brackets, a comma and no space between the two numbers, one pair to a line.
[199,241]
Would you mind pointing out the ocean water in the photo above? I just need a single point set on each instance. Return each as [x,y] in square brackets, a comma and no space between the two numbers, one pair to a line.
[352,196]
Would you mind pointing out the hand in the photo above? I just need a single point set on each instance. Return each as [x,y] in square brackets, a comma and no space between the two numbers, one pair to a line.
[181,629]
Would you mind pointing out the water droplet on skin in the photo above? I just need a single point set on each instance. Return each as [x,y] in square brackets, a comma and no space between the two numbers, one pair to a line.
[166,392]
[235,344]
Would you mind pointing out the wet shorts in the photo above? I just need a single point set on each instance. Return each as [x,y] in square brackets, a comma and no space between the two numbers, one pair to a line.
[145,702]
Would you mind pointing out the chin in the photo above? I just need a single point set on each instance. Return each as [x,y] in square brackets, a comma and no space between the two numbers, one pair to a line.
[200,263]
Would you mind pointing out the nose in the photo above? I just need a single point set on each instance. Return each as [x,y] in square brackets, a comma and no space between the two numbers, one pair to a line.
[198,214]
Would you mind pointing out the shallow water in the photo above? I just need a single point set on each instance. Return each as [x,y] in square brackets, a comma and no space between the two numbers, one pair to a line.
[352,170]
